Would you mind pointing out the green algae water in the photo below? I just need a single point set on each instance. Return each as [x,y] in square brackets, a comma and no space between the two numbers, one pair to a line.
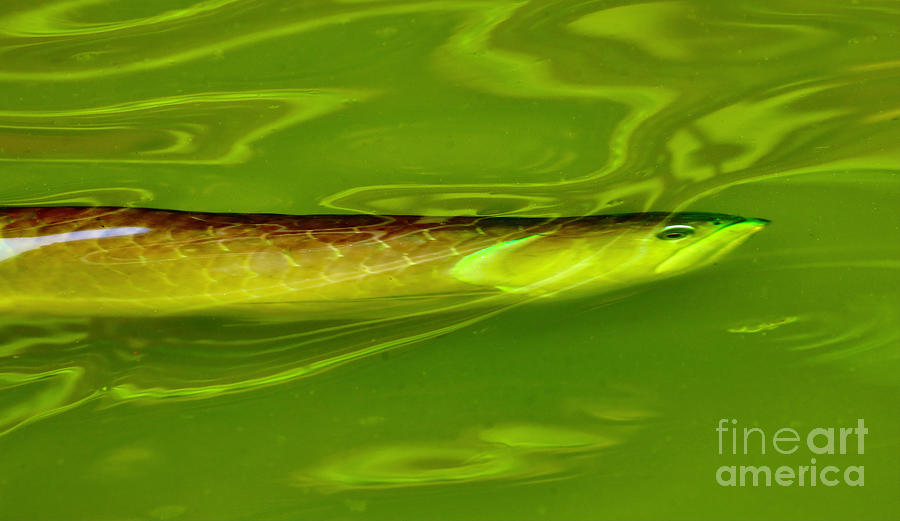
[765,385]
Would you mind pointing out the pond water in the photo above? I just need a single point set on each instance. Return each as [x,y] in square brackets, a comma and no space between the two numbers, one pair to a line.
[583,408]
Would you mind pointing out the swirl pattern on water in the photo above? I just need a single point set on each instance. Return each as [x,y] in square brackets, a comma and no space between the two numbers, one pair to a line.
[787,110]
[593,106]
[514,451]
[211,128]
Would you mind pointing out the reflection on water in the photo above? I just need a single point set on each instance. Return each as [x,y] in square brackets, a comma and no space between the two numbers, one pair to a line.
[50,366]
[633,106]
[411,465]
[509,451]
[785,110]
[541,437]
[209,128]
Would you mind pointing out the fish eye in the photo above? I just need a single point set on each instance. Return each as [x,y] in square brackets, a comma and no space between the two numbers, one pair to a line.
[675,231]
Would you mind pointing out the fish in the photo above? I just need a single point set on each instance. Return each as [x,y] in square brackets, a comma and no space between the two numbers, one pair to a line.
[106,261]
[123,304]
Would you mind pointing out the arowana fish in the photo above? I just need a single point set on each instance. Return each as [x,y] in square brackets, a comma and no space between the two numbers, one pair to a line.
[128,261]
[126,303]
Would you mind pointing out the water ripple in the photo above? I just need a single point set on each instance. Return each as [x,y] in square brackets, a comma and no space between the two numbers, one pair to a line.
[679,136]
[208,128]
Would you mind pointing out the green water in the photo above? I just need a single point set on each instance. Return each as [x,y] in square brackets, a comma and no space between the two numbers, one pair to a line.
[576,409]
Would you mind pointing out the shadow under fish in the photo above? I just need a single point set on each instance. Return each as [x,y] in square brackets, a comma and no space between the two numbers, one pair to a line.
[130,303]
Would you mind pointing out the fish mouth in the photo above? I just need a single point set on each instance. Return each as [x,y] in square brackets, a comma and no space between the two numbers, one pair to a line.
[712,248]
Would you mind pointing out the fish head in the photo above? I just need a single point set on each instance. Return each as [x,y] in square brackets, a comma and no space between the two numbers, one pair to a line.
[607,252]
[689,241]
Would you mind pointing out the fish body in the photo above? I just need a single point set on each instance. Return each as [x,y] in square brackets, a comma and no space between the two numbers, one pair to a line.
[128,304]
[130,261]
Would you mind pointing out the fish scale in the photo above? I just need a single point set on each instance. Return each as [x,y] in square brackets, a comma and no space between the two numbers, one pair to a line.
[191,260]
[101,260]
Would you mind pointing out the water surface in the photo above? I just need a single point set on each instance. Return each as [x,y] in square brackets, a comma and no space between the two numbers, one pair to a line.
[579,409]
